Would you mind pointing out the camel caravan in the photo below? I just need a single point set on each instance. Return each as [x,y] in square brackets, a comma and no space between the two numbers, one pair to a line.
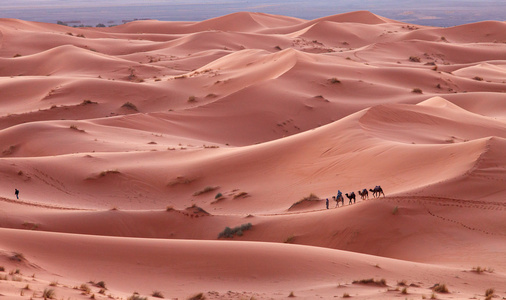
[364,194]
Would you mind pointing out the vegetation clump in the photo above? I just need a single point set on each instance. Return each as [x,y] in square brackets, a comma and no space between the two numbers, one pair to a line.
[440,288]
[238,230]
[381,282]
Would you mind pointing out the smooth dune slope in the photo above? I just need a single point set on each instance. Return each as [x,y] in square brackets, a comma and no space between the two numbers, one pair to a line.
[190,157]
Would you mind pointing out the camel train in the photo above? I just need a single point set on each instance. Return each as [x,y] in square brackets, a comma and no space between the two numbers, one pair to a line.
[364,194]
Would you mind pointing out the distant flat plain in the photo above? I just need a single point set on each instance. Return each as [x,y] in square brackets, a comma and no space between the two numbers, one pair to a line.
[111,12]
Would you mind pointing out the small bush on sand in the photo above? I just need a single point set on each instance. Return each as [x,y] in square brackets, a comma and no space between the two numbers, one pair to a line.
[199,296]
[334,80]
[192,99]
[291,295]
[489,293]
[346,295]
[440,288]
[414,59]
[480,270]
[157,294]
[404,291]
[219,195]
[85,288]
[417,91]
[129,105]
[48,294]
[100,284]
[136,296]
[381,282]
[238,230]
[478,78]
[74,127]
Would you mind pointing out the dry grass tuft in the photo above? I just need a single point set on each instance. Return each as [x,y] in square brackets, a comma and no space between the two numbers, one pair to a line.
[381,282]
[199,296]
[440,288]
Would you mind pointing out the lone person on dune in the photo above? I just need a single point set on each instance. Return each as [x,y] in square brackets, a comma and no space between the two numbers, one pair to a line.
[327,203]
[16,192]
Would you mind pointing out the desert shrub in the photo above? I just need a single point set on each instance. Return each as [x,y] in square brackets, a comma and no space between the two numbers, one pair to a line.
[440,288]
[17,257]
[53,283]
[414,58]
[478,78]
[130,105]
[192,99]
[48,294]
[74,127]
[136,296]
[238,230]
[85,288]
[291,295]
[489,293]
[107,172]
[87,101]
[2,269]
[404,291]
[17,55]
[417,91]
[334,80]
[199,296]
[219,195]
[402,283]
[157,294]
[346,295]
[381,282]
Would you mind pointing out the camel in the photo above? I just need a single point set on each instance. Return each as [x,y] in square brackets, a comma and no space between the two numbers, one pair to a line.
[351,197]
[377,190]
[338,199]
[364,194]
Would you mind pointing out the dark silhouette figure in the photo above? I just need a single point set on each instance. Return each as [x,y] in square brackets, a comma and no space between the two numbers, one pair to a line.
[351,197]
[364,194]
[327,203]
[377,191]
[16,192]
[337,201]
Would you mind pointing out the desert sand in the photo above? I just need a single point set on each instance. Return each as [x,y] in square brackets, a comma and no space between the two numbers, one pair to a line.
[133,147]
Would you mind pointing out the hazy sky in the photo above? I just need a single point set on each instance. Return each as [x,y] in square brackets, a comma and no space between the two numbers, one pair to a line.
[91,12]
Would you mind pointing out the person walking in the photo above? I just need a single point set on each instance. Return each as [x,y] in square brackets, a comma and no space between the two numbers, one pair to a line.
[327,203]
[16,192]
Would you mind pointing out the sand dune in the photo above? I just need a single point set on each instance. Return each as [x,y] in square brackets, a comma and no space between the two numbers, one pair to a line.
[135,147]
